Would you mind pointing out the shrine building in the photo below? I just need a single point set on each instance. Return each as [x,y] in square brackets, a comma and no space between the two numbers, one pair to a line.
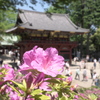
[46,30]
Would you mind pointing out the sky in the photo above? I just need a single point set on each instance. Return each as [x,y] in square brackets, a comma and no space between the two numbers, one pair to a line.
[37,7]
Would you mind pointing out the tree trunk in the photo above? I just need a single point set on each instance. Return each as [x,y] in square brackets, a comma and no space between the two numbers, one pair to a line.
[87,47]
[82,25]
[81,46]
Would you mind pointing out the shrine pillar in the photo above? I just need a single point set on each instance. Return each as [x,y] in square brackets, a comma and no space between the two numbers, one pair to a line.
[70,56]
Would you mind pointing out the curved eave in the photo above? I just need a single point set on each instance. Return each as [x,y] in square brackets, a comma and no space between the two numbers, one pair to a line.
[10,30]
[55,31]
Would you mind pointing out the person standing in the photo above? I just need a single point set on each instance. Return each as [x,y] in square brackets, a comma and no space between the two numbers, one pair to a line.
[77,75]
[18,64]
[94,61]
[94,78]
[82,64]
[99,61]
[68,72]
[75,59]
[67,64]
[16,53]
[91,72]
[1,61]
[87,58]
[85,74]
[78,55]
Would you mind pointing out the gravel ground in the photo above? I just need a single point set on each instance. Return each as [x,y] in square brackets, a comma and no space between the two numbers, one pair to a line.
[81,83]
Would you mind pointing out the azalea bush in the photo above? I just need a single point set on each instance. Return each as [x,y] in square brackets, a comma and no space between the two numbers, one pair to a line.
[92,93]
[38,78]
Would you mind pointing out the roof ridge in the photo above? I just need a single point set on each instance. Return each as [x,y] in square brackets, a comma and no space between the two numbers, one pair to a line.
[22,10]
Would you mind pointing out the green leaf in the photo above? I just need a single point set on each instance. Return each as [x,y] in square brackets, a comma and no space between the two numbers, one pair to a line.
[41,97]
[15,89]
[21,86]
[25,84]
[60,94]
[44,97]
[1,75]
[92,97]
[63,98]
[36,92]
[3,71]
[53,80]
[60,76]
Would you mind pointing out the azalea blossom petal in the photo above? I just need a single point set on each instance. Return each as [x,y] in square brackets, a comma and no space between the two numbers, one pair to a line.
[29,56]
[47,61]
[44,86]
[10,73]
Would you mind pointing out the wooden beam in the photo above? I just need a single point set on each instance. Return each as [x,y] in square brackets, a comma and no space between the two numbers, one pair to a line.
[21,27]
[65,36]
[38,35]
[45,35]
[57,31]
[40,30]
[72,32]
[86,32]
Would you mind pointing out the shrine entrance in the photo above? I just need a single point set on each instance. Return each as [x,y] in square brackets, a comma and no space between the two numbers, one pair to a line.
[46,30]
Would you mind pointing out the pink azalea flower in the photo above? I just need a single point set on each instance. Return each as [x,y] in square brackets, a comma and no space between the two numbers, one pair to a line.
[70,79]
[37,81]
[14,96]
[76,96]
[44,86]
[10,73]
[29,79]
[40,78]
[29,98]
[47,61]
[1,82]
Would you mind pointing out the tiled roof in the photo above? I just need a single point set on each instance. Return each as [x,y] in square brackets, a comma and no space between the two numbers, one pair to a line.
[47,21]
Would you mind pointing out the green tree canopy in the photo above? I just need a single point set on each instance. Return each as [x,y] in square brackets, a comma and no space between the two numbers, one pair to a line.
[7,20]
[96,39]
[85,12]
[6,4]
[61,10]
